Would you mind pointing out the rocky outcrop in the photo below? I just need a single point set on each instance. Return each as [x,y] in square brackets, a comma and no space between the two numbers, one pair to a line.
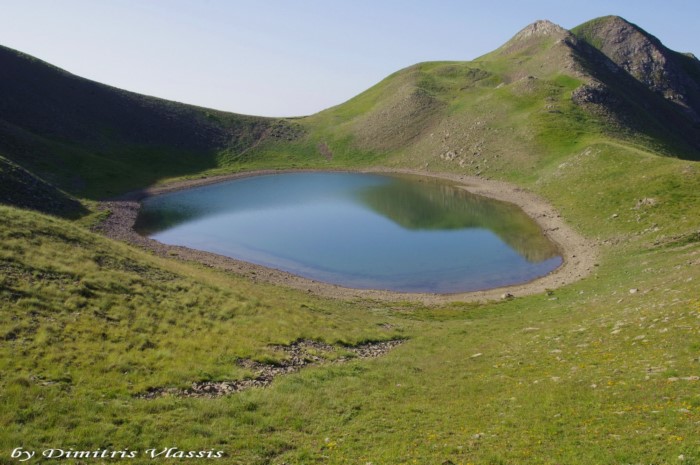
[673,75]
[298,355]
[595,93]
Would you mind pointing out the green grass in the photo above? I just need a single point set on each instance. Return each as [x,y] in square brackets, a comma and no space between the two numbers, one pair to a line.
[586,373]
[86,321]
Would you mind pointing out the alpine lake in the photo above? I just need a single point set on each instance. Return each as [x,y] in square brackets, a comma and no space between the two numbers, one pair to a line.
[366,231]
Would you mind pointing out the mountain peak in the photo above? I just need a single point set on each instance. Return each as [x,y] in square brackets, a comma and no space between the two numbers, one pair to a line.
[644,57]
[539,28]
[613,21]
[615,30]
[531,38]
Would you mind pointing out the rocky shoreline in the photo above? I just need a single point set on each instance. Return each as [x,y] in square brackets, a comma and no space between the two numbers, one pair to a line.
[579,254]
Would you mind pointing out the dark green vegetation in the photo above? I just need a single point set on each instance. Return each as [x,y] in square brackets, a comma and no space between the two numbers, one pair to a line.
[588,373]
[94,140]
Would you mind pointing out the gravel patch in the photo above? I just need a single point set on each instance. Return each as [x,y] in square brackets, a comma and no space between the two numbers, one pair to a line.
[298,355]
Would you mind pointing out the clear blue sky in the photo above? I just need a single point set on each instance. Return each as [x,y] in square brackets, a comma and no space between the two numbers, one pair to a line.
[285,58]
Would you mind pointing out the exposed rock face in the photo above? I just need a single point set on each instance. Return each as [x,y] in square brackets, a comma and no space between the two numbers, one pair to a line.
[673,75]
[595,92]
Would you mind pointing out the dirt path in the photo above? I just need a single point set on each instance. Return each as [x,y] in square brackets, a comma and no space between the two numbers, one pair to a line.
[579,254]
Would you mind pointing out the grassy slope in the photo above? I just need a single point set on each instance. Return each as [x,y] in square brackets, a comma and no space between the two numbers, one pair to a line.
[589,374]
[87,323]
[93,140]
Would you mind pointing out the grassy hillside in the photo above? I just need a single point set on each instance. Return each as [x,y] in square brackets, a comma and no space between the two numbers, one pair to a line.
[602,371]
[22,188]
[92,140]
[521,109]
[587,374]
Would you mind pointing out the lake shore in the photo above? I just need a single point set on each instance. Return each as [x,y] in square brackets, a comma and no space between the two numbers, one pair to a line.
[579,254]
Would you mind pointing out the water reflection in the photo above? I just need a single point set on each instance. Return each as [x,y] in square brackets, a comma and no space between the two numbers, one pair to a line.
[152,220]
[428,204]
[256,193]
[358,230]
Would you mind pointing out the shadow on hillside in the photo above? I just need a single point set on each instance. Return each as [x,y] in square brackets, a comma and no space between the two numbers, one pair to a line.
[95,141]
[21,189]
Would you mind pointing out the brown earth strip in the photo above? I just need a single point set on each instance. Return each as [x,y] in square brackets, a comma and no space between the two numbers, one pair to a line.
[579,254]
[299,355]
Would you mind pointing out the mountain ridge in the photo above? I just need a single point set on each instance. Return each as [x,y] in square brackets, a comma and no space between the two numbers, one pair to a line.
[65,127]
[644,57]
[544,91]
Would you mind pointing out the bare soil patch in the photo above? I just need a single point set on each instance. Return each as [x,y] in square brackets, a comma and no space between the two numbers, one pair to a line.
[299,355]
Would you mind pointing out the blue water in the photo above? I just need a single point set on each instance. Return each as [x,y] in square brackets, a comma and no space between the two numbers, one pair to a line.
[357,230]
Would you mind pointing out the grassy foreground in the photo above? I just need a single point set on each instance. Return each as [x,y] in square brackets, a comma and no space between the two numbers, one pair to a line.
[590,373]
